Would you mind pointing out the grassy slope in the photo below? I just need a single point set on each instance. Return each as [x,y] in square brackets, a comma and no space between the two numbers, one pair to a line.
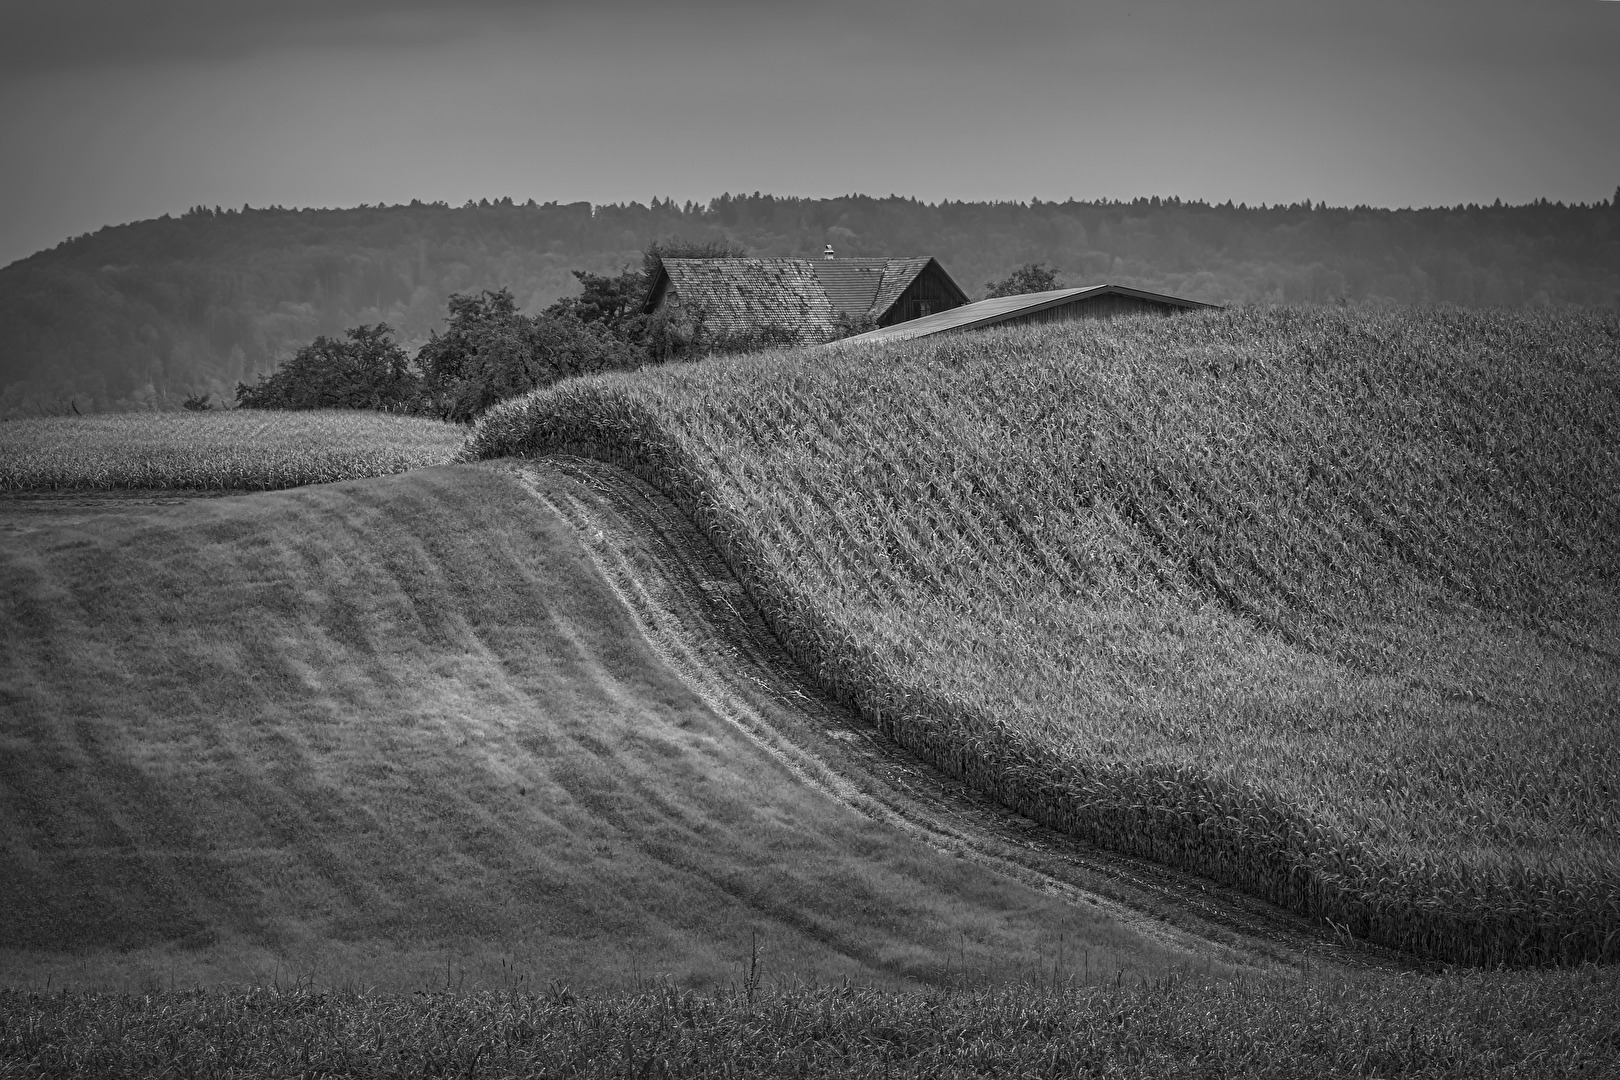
[1323,602]
[381,731]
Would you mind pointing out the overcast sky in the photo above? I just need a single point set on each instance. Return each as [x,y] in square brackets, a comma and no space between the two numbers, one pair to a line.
[112,110]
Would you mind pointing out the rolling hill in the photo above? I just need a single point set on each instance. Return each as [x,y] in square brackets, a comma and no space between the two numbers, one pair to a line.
[459,732]
[1315,603]
[1320,604]
[401,731]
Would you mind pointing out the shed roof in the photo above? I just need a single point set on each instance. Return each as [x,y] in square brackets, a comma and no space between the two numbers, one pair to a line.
[1004,308]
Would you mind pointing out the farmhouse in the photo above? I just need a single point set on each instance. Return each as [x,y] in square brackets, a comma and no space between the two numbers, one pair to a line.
[1058,305]
[801,301]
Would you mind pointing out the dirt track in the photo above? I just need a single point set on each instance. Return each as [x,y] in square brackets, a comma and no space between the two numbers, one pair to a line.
[694,612]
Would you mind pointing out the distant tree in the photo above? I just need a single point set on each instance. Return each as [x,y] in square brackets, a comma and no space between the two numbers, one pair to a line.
[605,298]
[483,325]
[1029,278]
[197,403]
[490,351]
[366,369]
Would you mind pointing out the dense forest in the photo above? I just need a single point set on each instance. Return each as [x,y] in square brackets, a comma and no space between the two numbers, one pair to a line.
[147,314]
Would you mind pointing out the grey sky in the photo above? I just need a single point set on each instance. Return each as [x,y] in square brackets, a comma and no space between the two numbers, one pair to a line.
[112,111]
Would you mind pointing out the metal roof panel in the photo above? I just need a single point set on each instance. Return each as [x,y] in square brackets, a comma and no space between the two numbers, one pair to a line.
[1002,308]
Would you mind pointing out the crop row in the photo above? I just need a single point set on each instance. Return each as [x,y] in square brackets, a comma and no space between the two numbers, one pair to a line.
[241,449]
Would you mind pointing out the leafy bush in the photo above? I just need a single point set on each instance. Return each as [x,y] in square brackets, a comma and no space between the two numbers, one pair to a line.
[610,300]
[490,352]
[366,369]
[1029,278]
[847,325]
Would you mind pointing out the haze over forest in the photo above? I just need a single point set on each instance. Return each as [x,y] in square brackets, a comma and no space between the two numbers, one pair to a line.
[120,113]
[142,315]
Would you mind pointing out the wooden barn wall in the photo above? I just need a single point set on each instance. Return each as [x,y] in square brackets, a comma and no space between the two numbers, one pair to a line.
[924,296]
[1098,307]
[660,295]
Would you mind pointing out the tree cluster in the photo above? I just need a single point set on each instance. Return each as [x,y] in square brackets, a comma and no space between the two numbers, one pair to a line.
[143,315]
[1029,278]
[365,369]
[489,350]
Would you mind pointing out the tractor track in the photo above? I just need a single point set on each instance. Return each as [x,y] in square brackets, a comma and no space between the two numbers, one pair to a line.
[693,611]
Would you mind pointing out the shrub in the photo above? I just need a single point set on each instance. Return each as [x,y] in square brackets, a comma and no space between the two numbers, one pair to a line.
[490,351]
[366,369]
[1029,278]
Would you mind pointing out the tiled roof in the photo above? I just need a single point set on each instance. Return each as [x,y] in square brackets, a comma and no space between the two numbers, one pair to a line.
[799,295]
[852,285]
[741,295]
[1003,308]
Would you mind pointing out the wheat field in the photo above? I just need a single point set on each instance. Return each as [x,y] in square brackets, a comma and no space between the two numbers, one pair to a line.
[240,449]
[1318,602]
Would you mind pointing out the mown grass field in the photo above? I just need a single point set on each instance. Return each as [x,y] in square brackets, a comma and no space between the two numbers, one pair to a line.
[1317,602]
[394,732]
[242,449]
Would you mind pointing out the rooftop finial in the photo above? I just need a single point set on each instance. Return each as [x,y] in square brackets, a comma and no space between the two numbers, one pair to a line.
[828,253]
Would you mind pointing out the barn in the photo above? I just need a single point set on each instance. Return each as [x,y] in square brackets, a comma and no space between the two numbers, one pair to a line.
[801,301]
[1058,305]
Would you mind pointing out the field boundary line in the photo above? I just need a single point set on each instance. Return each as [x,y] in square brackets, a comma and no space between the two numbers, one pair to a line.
[696,617]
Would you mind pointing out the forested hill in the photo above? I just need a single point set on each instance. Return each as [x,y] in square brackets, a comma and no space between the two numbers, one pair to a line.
[140,315]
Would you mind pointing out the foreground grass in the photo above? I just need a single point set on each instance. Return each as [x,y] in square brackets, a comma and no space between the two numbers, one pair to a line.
[1320,603]
[243,449]
[1542,1024]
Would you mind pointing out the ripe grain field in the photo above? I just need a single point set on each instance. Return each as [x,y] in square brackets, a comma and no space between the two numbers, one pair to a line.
[240,449]
[1317,603]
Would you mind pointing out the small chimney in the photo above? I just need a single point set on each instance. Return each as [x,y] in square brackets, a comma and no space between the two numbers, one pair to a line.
[828,253]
